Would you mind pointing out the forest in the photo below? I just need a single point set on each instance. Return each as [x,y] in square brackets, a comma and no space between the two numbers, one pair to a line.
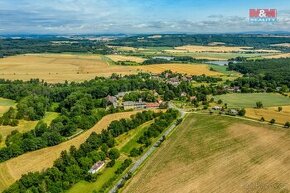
[10,47]
[267,73]
[173,40]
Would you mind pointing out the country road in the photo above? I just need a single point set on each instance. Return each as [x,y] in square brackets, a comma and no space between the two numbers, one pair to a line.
[144,157]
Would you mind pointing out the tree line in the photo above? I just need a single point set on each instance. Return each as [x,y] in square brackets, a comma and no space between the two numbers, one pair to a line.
[10,47]
[73,165]
[266,73]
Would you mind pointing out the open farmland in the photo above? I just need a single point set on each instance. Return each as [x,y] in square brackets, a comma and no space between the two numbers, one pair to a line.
[218,49]
[218,154]
[57,67]
[11,170]
[123,58]
[212,54]
[270,113]
[239,100]
[60,67]
[284,55]
[190,69]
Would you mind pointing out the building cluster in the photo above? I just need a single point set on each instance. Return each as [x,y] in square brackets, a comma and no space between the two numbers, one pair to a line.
[116,101]
[235,89]
[232,112]
[175,81]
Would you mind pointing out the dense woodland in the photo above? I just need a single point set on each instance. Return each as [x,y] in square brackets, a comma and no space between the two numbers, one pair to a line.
[264,74]
[172,40]
[9,47]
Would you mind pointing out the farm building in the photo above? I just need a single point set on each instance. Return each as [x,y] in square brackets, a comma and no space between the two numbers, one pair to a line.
[192,98]
[234,89]
[152,105]
[120,95]
[112,100]
[216,108]
[183,94]
[133,105]
[96,167]
[233,112]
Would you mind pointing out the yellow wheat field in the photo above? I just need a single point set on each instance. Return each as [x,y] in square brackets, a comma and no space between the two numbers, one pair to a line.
[270,113]
[285,55]
[217,49]
[120,58]
[189,69]
[60,67]
[57,67]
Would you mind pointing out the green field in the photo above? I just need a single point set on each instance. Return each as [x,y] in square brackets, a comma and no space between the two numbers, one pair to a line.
[25,126]
[217,154]
[239,100]
[104,176]
[131,138]
[5,104]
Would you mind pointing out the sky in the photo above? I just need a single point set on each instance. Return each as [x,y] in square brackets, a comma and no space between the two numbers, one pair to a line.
[137,16]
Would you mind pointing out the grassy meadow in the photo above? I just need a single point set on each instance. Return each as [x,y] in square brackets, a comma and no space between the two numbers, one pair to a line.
[217,154]
[5,104]
[239,100]
[25,126]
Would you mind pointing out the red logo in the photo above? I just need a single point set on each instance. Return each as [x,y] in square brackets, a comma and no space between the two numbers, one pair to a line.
[263,15]
[270,13]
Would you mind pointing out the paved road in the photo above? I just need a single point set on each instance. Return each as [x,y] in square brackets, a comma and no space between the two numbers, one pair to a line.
[142,159]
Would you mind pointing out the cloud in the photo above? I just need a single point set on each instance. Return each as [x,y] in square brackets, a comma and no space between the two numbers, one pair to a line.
[127,16]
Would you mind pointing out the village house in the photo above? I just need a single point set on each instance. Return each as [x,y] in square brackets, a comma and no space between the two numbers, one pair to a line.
[112,100]
[183,94]
[233,112]
[120,95]
[233,89]
[217,108]
[174,81]
[97,167]
[192,98]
